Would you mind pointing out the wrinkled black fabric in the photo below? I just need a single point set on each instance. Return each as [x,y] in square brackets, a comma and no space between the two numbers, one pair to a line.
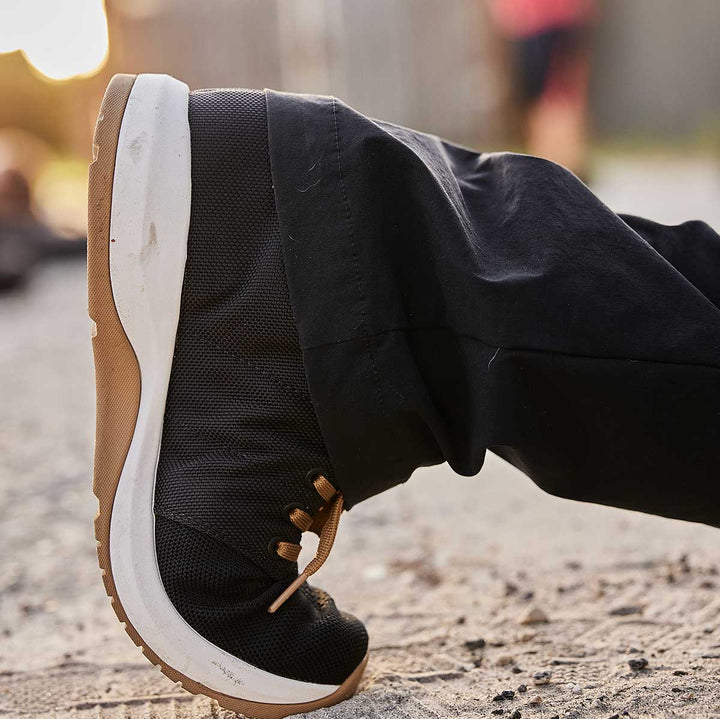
[450,302]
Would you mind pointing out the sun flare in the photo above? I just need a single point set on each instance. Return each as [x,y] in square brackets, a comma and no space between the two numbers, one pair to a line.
[61,40]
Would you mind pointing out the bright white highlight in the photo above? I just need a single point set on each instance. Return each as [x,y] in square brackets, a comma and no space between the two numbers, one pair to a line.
[61,39]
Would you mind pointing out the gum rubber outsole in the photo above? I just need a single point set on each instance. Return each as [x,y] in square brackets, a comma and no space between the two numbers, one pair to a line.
[118,386]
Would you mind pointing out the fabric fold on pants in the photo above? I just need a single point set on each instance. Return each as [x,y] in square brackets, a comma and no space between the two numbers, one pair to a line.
[450,302]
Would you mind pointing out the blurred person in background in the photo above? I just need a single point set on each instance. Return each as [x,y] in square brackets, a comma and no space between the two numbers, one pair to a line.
[549,44]
[18,254]
[24,239]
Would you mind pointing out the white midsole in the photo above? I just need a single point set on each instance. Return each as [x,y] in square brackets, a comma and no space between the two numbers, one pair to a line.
[150,216]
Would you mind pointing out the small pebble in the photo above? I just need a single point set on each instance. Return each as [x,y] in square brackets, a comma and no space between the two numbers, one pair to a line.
[536,700]
[680,673]
[504,660]
[516,670]
[497,711]
[516,714]
[534,615]
[638,664]
[542,677]
[522,688]
[626,611]
[474,644]
[576,689]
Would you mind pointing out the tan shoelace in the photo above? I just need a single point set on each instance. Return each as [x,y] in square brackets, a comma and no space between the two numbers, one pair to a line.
[325,524]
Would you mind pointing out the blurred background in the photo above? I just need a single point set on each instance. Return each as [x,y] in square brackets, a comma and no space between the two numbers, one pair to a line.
[624,92]
[579,81]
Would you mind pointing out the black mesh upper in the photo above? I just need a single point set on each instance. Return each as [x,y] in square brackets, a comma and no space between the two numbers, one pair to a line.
[225,599]
[240,433]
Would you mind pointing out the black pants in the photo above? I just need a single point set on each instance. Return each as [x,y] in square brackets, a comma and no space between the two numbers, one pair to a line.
[450,303]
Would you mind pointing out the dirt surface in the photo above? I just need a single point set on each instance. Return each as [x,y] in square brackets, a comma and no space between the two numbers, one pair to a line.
[469,587]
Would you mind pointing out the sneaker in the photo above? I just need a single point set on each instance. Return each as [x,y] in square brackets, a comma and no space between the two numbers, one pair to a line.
[209,462]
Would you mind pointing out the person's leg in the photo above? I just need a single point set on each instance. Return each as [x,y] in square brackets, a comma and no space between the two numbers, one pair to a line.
[450,302]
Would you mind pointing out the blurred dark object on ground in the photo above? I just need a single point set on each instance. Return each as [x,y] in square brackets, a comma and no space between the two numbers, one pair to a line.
[549,43]
[24,240]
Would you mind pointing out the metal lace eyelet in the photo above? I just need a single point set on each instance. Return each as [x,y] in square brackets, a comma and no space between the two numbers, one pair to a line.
[313,474]
[289,508]
[272,546]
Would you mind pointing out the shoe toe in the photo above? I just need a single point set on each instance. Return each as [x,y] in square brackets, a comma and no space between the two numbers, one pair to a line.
[225,598]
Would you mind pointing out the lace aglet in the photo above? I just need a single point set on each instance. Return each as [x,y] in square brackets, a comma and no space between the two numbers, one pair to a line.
[301,579]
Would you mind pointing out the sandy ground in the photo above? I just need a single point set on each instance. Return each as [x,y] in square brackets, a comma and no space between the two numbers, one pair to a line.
[448,573]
